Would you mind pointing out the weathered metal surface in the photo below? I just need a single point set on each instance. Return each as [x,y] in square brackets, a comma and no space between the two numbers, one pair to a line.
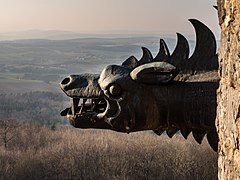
[170,92]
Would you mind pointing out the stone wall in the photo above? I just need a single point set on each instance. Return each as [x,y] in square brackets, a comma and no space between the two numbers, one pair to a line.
[228,111]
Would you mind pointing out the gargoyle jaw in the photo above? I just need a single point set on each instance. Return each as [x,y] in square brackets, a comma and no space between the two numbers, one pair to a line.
[89,108]
[87,101]
[86,113]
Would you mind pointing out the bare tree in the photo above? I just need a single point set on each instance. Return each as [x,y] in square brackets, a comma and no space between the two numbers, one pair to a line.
[8,131]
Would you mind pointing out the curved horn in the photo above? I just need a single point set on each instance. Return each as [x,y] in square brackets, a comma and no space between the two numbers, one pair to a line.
[163,54]
[146,57]
[205,48]
[181,53]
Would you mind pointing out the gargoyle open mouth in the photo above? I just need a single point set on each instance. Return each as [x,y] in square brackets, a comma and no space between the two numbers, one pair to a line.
[87,108]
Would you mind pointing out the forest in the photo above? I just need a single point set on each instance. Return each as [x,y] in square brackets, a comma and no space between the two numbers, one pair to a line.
[38,107]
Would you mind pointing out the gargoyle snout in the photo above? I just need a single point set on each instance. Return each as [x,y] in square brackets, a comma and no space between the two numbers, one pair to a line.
[82,86]
[66,82]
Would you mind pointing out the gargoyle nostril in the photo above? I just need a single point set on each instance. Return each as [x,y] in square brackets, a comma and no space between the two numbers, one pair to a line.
[66,81]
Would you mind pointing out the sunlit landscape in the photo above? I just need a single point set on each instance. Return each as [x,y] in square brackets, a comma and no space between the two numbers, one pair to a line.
[37,50]
[42,145]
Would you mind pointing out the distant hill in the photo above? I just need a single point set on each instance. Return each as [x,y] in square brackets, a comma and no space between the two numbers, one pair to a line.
[38,34]
[64,35]
[28,64]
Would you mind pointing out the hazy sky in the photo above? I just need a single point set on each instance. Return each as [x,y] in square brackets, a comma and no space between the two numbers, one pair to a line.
[97,16]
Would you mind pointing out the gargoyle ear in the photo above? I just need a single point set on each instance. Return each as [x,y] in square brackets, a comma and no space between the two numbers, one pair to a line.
[154,73]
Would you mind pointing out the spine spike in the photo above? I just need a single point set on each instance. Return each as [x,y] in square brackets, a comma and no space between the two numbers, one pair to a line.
[180,55]
[212,138]
[185,132]
[146,57]
[130,62]
[198,135]
[205,49]
[171,131]
[163,54]
[158,132]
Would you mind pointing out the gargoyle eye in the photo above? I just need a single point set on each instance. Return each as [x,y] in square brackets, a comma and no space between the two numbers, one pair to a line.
[115,90]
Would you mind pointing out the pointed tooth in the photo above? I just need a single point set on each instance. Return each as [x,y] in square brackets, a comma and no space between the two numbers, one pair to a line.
[65,112]
[91,102]
[83,106]
[185,132]
[198,135]
[128,129]
[74,105]
[163,54]
[171,131]
[146,57]
[95,104]
[212,138]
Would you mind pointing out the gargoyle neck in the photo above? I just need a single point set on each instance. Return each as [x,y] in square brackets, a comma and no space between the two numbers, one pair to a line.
[187,104]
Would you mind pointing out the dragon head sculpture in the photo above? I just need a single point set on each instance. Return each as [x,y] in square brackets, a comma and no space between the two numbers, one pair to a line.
[116,99]
[170,92]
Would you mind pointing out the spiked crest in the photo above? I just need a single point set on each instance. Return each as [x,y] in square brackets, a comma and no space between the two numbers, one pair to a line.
[204,57]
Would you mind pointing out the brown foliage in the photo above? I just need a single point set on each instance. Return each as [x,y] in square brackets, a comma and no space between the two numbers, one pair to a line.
[8,131]
[66,153]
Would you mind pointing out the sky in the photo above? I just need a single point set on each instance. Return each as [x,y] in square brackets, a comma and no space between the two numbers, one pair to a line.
[106,16]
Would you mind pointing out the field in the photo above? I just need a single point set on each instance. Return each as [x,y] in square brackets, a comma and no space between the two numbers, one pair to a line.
[38,152]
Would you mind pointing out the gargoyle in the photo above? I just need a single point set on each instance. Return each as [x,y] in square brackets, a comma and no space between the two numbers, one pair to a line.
[170,92]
